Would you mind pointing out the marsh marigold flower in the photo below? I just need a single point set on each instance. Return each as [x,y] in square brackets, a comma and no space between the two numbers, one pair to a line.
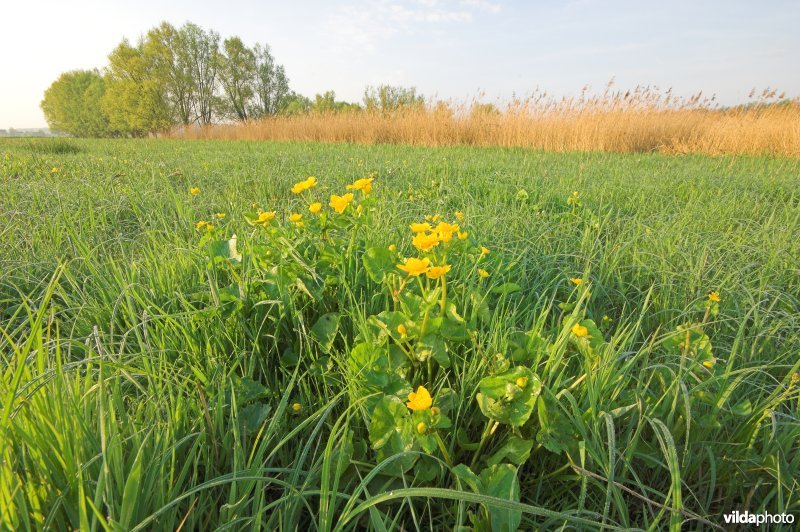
[522,382]
[306,184]
[437,271]
[392,248]
[484,251]
[577,281]
[194,191]
[445,231]
[315,207]
[295,217]
[401,329]
[422,428]
[573,199]
[462,236]
[415,267]
[420,227]
[340,203]
[459,216]
[220,215]
[419,400]
[364,185]
[579,330]
[264,218]
[714,296]
[297,407]
[483,273]
[425,241]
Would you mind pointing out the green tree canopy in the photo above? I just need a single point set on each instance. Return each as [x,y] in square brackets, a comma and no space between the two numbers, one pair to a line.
[136,100]
[72,104]
[391,98]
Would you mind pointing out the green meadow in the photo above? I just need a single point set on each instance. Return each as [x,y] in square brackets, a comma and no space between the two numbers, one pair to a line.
[615,342]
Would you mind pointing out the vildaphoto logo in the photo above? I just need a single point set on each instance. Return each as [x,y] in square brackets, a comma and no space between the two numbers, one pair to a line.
[765,518]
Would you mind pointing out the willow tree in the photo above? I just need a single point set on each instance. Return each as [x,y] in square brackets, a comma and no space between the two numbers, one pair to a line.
[72,104]
[135,100]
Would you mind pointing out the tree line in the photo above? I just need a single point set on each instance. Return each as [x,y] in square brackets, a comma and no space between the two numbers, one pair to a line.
[187,76]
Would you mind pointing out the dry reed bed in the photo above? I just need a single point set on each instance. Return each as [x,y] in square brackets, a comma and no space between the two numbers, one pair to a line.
[643,122]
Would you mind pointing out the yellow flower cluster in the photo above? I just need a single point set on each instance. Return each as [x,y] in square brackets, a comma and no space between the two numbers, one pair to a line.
[428,237]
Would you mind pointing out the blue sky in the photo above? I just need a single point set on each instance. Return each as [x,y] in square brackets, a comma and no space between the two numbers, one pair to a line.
[452,49]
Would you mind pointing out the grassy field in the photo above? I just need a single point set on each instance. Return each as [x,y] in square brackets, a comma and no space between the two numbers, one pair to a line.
[158,374]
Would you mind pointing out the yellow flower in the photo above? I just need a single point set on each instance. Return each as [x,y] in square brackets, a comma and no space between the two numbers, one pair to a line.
[220,215]
[483,273]
[484,251]
[401,329]
[194,191]
[201,225]
[577,280]
[445,231]
[420,228]
[462,236]
[295,217]
[419,400]
[306,184]
[364,185]
[340,203]
[297,407]
[264,218]
[714,296]
[315,207]
[579,330]
[415,267]
[459,216]
[425,242]
[392,248]
[573,199]
[421,427]
[522,382]
[55,171]
[437,271]
[709,364]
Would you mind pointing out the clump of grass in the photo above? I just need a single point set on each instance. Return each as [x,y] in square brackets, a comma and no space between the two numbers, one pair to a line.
[641,120]
[54,147]
[151,369]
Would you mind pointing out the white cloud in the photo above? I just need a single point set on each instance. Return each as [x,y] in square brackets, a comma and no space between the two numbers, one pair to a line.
[484,5]
[363,26]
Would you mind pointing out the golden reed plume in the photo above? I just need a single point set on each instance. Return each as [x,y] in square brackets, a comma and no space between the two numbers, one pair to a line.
[640,120]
